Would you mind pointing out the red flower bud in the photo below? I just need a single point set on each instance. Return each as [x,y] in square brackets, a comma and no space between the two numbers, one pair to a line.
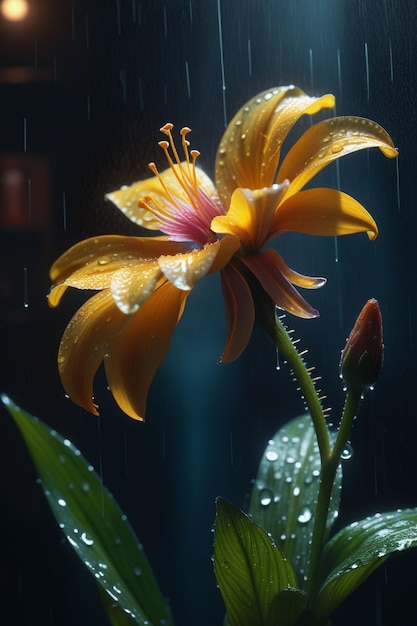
[362,357]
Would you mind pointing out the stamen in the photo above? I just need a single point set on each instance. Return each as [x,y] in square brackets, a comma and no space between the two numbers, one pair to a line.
[188,181]
[188,214]
[194,155]
[154,171]
[166,129]
[185,143]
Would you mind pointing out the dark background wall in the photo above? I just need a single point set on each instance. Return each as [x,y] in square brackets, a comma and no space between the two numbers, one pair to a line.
[84,88]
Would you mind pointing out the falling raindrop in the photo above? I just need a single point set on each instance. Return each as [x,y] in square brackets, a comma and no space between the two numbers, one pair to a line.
[310,56]
[277,362]
[25,288]
[339,72]
[119,24]
[367,71]
[249,58]
[219,20]
[187,78]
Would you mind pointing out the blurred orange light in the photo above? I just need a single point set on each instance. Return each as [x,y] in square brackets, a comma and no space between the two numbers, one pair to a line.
[14,10]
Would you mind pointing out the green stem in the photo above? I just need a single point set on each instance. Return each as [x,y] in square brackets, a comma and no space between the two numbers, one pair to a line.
[287,349]
[330,458]
[353,398]
[328,473]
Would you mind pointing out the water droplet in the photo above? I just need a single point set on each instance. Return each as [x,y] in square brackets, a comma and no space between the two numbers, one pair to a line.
[72,542]
[304,516]
[347,452]
[271,455]
[266,497]
[336,147]
[62,502]
[137,571]
[86,487]
[86,539]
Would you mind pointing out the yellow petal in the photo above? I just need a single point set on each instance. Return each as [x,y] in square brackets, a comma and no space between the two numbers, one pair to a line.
[250,214]
[131,286]
[228,246]
[84,345]
[135,354]
[240,313]
[323,212]
[249,150]
[90,264]
[126,198]
[186,270]
[268,268]
[329,140]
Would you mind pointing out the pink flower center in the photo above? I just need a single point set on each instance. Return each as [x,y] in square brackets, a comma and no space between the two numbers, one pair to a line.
[189,210]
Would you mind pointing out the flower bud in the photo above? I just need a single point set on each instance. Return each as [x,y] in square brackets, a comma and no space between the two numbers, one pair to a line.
[362,357]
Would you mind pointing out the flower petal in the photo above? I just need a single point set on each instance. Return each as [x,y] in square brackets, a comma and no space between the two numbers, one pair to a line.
[228,246]
[269,268]
[90,264]
[135,354]
[126,198]
[84,344]
[250,214]
[186,270]
[329,140]
[249,150]
[326,212]
[307,282]
[240,313]
[131,286]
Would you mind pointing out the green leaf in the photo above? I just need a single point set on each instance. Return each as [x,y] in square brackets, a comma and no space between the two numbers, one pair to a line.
[116,615]
[92,521]
[249,568]
[284,495]
[287,607]
[357,550]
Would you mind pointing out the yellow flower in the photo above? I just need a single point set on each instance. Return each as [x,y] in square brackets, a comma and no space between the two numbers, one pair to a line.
[265,199]
[143,282]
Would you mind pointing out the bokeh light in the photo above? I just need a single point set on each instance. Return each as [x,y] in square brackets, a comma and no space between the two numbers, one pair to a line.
[14,10]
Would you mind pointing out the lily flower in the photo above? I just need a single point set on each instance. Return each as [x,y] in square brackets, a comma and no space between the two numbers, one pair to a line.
[143,282]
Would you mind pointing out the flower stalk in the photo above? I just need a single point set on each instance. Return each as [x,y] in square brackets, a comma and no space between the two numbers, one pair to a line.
[361,364]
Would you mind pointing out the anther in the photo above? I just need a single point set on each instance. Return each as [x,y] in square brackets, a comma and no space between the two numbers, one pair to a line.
[166,128]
